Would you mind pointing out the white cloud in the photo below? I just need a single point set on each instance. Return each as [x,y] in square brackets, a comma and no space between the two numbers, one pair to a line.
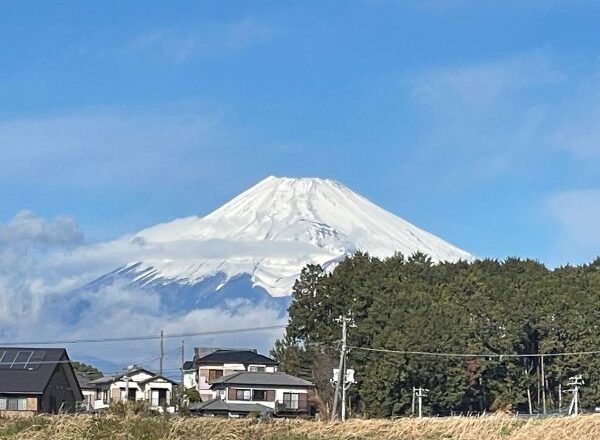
[44,262]
[578,120]
[577,213]
[489,120]
[27,226]
[108,149]
[184,44]
[482,120]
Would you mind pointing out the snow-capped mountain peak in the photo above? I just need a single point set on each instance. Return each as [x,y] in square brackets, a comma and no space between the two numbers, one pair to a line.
[274,229]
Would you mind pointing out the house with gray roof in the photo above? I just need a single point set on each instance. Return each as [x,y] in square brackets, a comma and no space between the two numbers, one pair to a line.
[213,363]
[133,385]
[37,380]
[245,392]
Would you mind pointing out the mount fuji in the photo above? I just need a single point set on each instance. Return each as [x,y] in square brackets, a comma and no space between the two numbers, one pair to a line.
[252,249]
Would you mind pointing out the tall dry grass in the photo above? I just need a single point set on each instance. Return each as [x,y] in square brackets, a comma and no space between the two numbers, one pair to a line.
[153,428]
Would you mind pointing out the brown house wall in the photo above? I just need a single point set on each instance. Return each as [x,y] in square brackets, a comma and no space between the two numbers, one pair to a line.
[231,393]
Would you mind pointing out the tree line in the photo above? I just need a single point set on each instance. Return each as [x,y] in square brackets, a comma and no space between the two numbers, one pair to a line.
[510,307]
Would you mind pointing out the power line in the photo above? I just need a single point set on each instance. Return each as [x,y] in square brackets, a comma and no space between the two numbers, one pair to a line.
[477,355]
[143,337]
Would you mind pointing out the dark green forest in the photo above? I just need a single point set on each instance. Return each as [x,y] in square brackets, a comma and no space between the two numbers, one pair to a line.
[411,304]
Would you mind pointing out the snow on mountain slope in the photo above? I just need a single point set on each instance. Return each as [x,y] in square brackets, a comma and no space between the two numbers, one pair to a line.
[272,231]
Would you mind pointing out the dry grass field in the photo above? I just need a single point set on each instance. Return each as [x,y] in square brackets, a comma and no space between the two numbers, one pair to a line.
[109,427]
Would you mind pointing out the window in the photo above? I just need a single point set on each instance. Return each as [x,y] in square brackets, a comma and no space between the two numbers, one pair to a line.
[129,395]
[215,374]
[243,395]
[256,369]
[13,403]
[159,397]
[260,395]
[290,400]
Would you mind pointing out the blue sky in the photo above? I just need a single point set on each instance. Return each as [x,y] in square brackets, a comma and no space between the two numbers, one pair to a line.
[478,121]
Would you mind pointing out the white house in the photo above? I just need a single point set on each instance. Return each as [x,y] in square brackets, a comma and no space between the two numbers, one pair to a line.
[190,375]
[135,384]
[88,390]
[247,392]
[212,364]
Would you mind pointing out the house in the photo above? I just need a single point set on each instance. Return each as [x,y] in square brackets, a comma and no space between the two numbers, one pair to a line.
[88,390]
[37,380]
[246,392]
[135,384]
[212,364]
[190,375]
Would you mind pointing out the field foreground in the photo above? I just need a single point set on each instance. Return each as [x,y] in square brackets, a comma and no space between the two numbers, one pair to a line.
[153,428]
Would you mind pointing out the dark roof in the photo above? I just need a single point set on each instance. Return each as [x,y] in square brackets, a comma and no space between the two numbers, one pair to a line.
[28,370]
[218,405]
[158,376]
[245,357]
[266,379]
[188,365]
[103,380]
[84,381]
[117,377]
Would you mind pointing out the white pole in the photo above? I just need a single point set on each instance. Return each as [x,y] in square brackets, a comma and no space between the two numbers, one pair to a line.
[559,398]
[420,395]
[344,397]
[340,370]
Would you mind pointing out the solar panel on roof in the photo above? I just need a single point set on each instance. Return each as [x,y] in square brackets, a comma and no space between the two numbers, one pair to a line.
[36,358]
[21,359]
[7,359]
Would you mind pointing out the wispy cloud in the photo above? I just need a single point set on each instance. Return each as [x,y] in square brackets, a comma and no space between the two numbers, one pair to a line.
[107,148]
[488,120]
[577,214]
[29,227]
[182,44]
[43,263]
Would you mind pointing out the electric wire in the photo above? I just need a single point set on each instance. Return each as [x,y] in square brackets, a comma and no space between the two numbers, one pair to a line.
[141,337]
[477,355]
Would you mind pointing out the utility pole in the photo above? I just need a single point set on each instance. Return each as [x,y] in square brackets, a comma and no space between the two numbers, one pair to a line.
[341,369]
[344,393]
[414,393]
[182,361]
[348,379]
[543,378]
[127,386]
[560,398]
[420,393]
[162,351]
[575,382]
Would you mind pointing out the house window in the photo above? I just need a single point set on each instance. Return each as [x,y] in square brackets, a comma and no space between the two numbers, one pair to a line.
[215,374]
[290,400]
[260,395]
[256,369]
[159,398]
[243,395]
[13,403]
[129,395]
